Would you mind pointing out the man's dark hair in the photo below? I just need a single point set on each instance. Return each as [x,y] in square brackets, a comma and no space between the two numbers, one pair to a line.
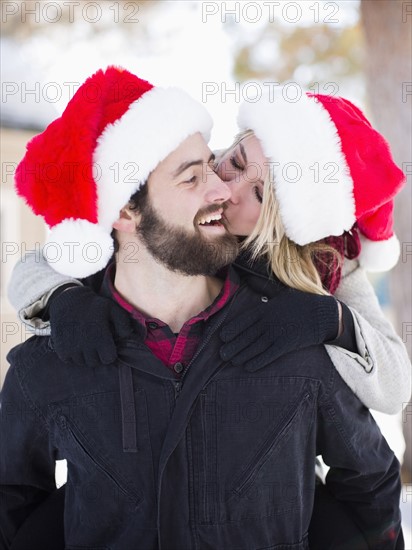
[136,202]
[139,199]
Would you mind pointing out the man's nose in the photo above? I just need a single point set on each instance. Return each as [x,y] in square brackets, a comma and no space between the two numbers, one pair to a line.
[217,189]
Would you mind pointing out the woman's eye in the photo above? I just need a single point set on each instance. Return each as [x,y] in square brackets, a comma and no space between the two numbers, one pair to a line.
[258,194]
[235,163]
[193,179]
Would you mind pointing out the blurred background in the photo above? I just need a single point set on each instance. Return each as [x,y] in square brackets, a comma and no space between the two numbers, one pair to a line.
[360,49]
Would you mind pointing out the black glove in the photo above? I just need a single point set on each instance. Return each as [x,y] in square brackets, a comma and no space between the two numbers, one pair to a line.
[85,326]
[288,322]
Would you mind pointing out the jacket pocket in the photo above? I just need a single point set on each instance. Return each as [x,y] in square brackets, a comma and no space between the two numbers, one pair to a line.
[272,442]
[106,469]
[88,433]
[257,451]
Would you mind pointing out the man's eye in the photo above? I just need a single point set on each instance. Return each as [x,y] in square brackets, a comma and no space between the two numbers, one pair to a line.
[193,179]
[235,163]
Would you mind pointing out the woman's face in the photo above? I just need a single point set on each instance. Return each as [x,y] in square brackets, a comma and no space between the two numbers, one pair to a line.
[244,168]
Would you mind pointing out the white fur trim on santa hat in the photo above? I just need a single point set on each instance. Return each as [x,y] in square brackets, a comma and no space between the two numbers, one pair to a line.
[379,255]
[128,150]
[78,248]
[312,183]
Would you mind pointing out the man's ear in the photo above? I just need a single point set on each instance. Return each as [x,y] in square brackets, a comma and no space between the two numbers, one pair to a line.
[128,221]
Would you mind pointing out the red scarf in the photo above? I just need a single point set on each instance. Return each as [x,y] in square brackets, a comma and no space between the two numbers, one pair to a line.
[348,246]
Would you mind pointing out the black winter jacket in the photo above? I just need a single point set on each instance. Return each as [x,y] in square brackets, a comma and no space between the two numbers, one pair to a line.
[223,458]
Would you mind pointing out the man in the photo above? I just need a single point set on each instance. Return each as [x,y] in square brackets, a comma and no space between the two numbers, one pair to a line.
[202,454]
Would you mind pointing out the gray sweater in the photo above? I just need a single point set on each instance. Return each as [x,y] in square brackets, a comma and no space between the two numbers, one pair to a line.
[380,375]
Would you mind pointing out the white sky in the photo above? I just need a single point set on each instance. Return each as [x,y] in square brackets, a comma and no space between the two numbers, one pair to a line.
[187,53]
[188,48]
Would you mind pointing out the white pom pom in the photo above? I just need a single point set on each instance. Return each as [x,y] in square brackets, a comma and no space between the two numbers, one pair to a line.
[78,248]
[379,255]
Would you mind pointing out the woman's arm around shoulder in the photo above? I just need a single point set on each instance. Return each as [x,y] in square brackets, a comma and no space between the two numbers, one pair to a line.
[32,283]
[380,375]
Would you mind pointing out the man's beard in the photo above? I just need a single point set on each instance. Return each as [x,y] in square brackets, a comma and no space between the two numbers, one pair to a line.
[181,251]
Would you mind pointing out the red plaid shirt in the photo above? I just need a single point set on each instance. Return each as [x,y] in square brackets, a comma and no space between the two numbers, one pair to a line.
[174,350]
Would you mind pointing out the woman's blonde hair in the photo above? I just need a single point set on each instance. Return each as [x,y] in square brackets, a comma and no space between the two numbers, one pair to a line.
[292,264]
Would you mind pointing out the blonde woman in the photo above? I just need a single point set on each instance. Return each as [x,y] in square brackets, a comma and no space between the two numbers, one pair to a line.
[286,205]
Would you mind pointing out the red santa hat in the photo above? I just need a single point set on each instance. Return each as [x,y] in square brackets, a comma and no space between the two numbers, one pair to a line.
[81,171]
[330,169]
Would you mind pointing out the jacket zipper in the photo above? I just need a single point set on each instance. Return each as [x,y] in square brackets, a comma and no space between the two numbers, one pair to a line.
[177,386]
[179,383]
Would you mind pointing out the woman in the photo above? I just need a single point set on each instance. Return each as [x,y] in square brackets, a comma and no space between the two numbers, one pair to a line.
[300,209]
[256,213]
